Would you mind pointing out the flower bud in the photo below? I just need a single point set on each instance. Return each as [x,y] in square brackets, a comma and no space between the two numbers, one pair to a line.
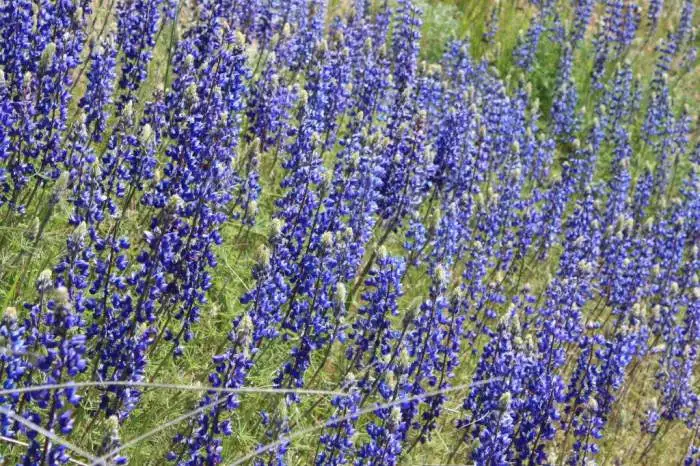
[303,97]
[146,133]
[191,97]
[441,275]
[62,295]
[395,418]
[327,239]
[113,424]
[129,110]
[350,379]
[44,281]
[341,294]
[240,39]
[10,314]
[404,358]
[175,202]
[27,78]
[504,401]
[263,256]
[592,405]
[674,288]
[47,56]
[276,229]
[246,326]
[515,147]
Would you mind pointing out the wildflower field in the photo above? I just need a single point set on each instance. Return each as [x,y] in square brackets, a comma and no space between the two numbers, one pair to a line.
[349,232]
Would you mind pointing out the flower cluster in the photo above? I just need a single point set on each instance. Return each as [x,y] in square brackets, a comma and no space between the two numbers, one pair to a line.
[498,260]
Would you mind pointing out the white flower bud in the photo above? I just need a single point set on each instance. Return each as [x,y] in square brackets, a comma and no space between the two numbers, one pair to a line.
[62,295]
[175,202]
[515,147]
[113,424]
[504,401]
[276,229]
[327,239]
[263,256]
[27,78]
[674,287]
[240,38]
[442,275]
[146,133]
[44,282]
[251,209]
[592,405]
[395,416]
[303,97]
[341,294]
[10,314]
[47,56]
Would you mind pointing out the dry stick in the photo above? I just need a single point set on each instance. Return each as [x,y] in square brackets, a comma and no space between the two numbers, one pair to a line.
[171,386]
[194,413]
[308,411]
[49,435]
[24,444]
[323,425]
[102,460]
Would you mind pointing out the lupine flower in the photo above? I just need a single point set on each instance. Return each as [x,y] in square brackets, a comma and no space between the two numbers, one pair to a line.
[650,424]
[685,24]
[270,108]
[37,78]
[337,441]
[98,95]
[387,433]
[137,24]
[372,333]
[558,261]
[405,46]
[654,13]
[488,425]
[56,325]
[584,11]
[14,364]
[492,24]
[199,179]
[528,44]
[307,17]
[566,99]
[203,443]
[692,456]
[603,381]
[408,169]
